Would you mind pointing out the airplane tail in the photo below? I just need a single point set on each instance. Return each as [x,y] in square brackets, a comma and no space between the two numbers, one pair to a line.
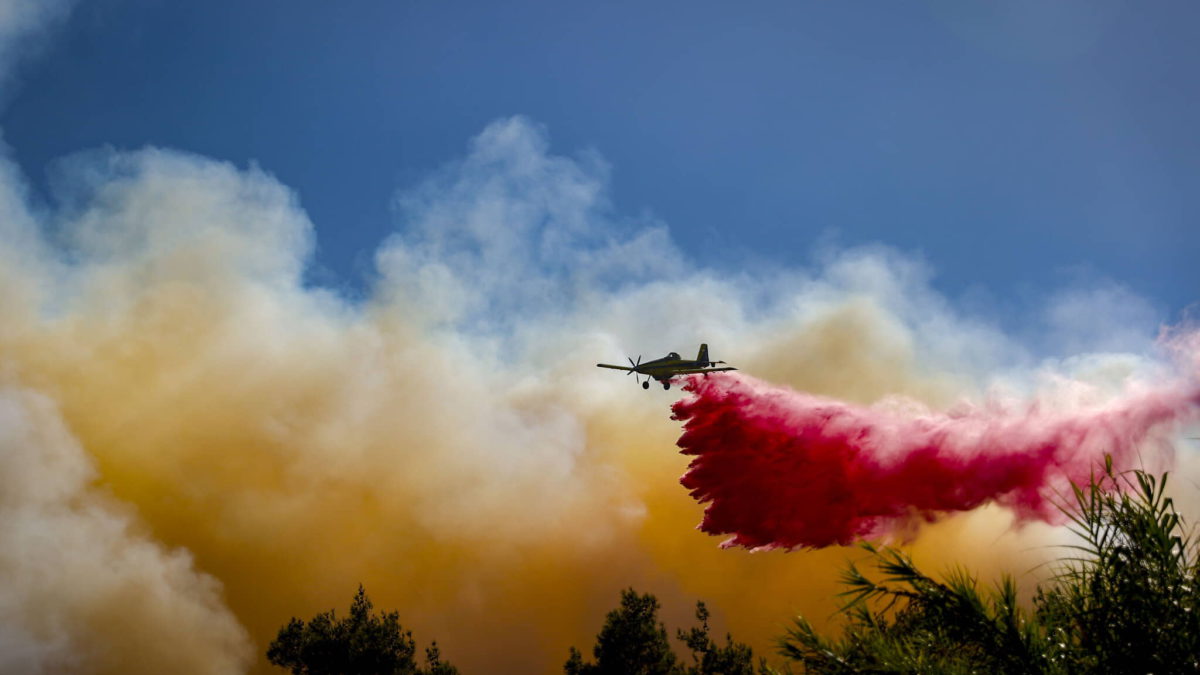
[703,355]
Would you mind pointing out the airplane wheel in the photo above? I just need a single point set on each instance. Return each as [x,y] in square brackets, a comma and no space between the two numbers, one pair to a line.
[666,385]
[646,384]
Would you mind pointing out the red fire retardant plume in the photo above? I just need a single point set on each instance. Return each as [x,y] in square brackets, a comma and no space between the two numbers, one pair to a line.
[783,469]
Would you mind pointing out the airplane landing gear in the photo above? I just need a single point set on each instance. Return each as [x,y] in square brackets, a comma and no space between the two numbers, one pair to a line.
[666,385]
[646,384]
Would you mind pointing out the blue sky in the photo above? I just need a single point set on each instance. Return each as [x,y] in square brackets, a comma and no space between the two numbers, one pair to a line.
[1018,148]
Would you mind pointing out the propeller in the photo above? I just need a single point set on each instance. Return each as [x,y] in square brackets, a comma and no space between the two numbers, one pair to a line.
[635,365]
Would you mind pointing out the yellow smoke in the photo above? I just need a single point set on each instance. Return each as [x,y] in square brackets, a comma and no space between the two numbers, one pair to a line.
[196,445]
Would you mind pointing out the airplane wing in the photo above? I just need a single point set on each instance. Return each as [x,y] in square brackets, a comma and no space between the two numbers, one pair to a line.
[691,371]
[606,365]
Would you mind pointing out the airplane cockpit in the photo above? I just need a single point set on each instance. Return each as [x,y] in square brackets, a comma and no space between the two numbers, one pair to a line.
[672,355]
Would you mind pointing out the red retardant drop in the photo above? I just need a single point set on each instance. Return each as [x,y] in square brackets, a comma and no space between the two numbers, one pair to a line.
[779,468]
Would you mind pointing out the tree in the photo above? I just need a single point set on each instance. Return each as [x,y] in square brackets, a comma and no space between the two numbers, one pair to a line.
[361,644]
[1126,600]
[908,622]
[634,642]
[434,664]
[708,658]
[1129,601]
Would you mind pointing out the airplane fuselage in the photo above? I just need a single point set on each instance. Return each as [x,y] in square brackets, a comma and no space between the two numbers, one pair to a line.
[670,366]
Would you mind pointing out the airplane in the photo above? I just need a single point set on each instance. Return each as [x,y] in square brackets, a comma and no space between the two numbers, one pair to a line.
[669,366]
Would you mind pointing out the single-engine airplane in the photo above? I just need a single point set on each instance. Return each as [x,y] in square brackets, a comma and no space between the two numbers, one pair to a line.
[669,366]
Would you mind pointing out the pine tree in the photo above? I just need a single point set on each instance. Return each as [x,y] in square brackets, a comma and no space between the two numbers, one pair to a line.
[360,644]
[632,642]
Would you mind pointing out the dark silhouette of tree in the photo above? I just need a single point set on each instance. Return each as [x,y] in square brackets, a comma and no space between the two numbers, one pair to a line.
[1124,601]
[908,622]
[360,644]
[708,657]
[634,642]
[433,662]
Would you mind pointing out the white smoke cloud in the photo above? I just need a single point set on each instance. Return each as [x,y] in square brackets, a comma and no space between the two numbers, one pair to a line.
[513,231]
[1101,316]
[74,562]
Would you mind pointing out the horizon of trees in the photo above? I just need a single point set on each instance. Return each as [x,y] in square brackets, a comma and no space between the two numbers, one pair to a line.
[1126,599]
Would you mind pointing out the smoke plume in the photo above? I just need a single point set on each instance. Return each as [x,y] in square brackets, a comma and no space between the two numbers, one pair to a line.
[197,443]
[784,469]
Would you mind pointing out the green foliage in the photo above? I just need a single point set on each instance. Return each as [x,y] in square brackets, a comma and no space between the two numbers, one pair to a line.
[709,658]
[634,642]
[908,622]
[434,664]
[1126,600]
[360,644]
